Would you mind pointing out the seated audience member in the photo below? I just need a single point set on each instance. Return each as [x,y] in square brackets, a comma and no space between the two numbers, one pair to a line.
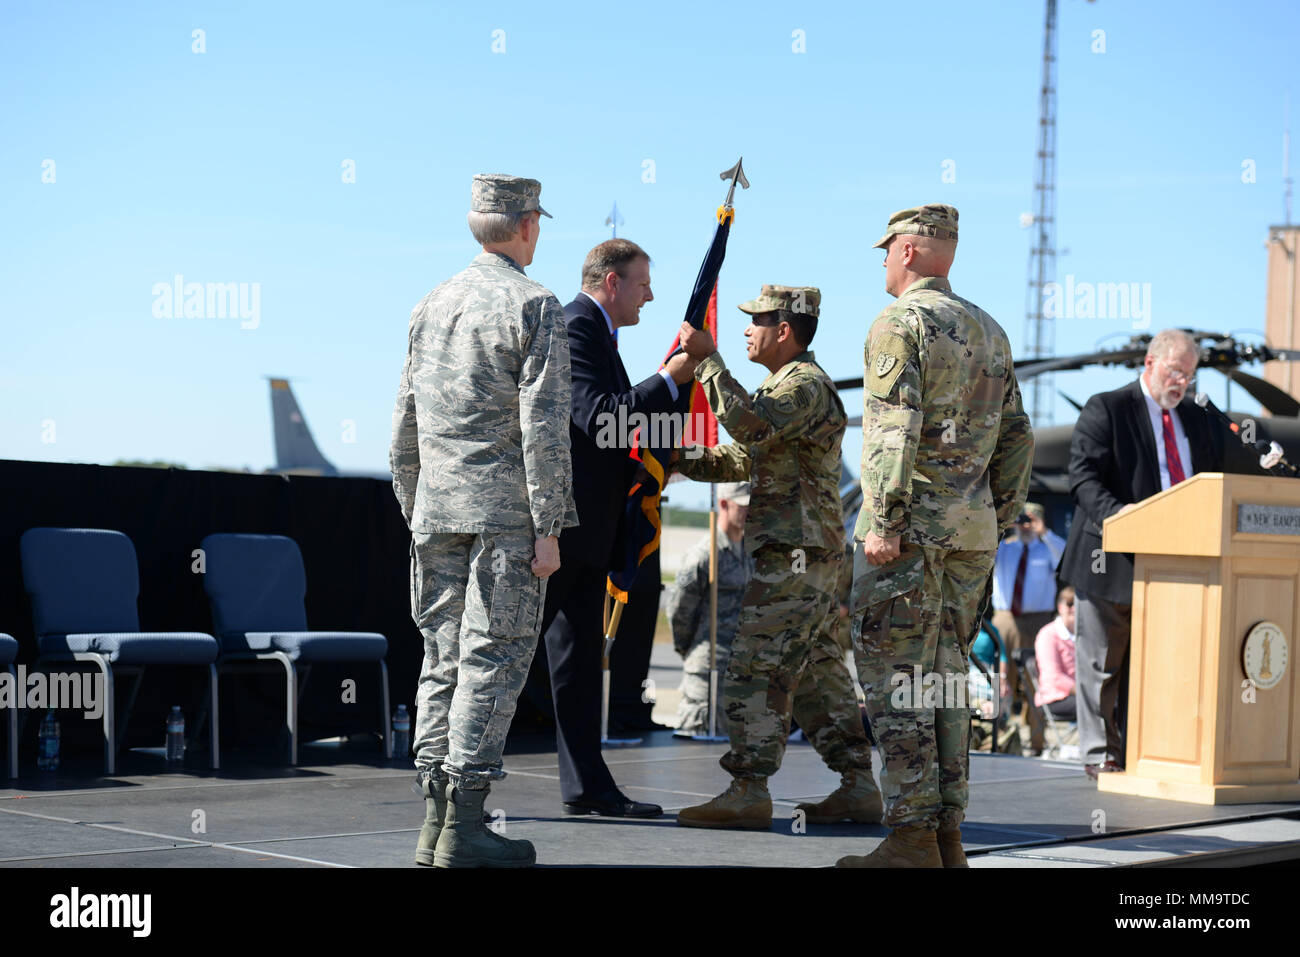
[1054,652]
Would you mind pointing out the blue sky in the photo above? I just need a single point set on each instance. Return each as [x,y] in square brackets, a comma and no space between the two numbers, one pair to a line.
[227,167]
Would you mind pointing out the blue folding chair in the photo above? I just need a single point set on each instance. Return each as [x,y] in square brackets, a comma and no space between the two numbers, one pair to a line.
[258,587]
[84,584]
[8,652]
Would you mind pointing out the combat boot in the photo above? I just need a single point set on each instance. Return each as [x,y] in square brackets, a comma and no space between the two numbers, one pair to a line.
[904,847]
[950,851]
[434,790]
[745,805]
[856,799]
[465,841]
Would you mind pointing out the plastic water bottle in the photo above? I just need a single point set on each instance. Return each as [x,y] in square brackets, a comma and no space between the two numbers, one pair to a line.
[175,736]
[47,753]
[401,734]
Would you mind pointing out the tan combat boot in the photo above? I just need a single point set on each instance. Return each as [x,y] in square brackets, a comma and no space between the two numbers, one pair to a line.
[745,804]
[950,851]
[904,847]
[856,799]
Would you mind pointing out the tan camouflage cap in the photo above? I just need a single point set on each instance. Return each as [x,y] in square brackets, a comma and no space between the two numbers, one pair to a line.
[737,492]
[804,299]
[1033,508]
[499,193]
[932,219]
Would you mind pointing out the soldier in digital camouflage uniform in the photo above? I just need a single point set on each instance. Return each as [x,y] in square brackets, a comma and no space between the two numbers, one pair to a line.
[946,453]
[480,460]
[688,607]
[787,444]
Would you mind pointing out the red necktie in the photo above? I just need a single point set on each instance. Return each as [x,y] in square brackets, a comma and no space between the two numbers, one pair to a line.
[1171,449]
[1018,592]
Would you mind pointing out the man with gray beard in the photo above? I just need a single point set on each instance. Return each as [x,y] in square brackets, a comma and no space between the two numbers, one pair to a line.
[1128,445]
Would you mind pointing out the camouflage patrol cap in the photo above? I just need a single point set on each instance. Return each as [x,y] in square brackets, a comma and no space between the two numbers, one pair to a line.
[932,219]
[803,299]
[499,193]
[1033,508]
[737,492]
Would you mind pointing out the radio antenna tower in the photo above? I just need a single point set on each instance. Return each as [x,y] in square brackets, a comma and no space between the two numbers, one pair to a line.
[1286,161]
[614,220]
[1039,328]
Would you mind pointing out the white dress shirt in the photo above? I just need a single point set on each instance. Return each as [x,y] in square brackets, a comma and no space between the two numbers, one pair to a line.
[1180,437]
[672,386]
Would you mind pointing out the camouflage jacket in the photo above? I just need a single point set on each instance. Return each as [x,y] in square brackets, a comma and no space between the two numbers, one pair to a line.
[946,445]
[787,446]
[688,600]
[481,428]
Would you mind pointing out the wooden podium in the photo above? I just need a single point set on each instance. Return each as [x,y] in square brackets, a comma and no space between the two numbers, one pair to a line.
[1217,559]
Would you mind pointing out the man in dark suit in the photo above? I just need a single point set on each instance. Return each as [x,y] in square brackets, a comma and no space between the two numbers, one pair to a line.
[615,284]
[1128,445]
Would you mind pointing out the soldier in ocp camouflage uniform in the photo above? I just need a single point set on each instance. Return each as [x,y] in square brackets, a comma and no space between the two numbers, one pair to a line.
[825,703]
[480,460]
[787,444]
[826,706]
[946,454]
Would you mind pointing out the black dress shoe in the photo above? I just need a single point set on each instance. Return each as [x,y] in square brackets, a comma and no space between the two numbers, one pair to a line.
[613,804]
[625,723]
[1093,770]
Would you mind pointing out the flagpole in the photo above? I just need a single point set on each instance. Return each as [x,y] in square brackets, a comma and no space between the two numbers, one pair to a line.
[713,610]
[611,630]
[713,620]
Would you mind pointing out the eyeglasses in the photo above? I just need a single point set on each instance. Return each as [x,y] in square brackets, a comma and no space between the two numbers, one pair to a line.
[1176,374]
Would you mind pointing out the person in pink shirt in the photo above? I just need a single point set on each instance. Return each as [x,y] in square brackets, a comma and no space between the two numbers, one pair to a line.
[1054,651]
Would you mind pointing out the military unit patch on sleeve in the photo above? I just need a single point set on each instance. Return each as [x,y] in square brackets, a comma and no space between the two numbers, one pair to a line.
[889,355]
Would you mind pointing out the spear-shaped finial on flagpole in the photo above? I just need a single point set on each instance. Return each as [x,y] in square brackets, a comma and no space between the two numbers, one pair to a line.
[737,175]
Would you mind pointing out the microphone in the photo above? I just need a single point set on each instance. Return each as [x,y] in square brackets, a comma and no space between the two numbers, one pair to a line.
[1270,453]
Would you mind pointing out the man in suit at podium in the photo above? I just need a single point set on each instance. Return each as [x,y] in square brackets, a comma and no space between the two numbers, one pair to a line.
[1128,445]
[615,285]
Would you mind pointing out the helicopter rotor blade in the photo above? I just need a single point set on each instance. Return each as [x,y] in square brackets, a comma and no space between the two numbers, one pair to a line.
[1265,393]
[1028,368]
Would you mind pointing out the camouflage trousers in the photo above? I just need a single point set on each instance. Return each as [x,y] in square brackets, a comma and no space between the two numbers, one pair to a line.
[923,728]
[478,605]
[826,700]
[785,659]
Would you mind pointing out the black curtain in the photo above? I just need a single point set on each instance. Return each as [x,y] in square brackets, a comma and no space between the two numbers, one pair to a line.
[355,547]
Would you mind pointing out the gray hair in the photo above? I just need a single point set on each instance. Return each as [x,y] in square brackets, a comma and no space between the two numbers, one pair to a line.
[494,227]
[1168,341]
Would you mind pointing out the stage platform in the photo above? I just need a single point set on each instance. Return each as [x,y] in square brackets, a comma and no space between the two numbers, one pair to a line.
[341,809]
